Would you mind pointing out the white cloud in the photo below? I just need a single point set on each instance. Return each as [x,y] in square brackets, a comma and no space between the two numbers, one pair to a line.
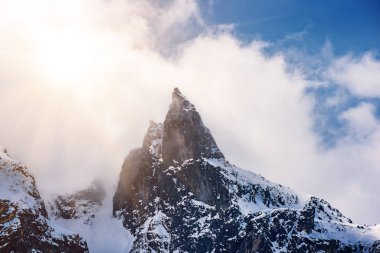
[361,119]
[82,128]
[361,75]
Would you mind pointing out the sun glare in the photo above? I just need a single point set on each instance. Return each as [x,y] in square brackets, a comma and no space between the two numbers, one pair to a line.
[66,60]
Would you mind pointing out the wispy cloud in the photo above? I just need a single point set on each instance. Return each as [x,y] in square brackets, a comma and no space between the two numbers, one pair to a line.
[361,75]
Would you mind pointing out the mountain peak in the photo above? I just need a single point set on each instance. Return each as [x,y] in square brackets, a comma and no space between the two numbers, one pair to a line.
[178,194]
[180,102]
[3,152]
[184,134]
[4,155]
[176,91]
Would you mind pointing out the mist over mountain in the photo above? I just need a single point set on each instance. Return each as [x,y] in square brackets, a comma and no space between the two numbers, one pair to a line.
[177,193]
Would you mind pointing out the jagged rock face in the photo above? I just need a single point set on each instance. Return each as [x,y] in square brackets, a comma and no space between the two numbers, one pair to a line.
[24,223]
[82,205]
[185,136]
[178,194]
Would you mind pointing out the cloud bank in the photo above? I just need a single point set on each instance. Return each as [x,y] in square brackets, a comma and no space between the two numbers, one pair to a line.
[80,81]
[360,75]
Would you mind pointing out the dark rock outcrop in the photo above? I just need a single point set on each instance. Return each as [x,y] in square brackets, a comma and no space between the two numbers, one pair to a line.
[184,135]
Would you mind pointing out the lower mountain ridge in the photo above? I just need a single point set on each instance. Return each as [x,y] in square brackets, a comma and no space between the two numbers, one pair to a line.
[24,223]
[82,205]
[179,194]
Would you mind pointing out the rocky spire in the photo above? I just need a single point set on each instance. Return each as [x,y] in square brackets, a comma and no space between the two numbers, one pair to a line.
[185,136]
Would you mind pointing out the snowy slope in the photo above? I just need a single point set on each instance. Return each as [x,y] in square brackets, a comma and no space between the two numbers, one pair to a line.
[24,224]
[89,213]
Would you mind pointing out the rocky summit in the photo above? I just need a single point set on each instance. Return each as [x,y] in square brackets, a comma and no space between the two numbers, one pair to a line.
[178,193]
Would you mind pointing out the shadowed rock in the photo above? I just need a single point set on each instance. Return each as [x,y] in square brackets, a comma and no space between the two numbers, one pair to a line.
[185,136]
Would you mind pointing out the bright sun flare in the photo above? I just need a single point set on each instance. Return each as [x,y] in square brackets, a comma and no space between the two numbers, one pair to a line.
[66,60]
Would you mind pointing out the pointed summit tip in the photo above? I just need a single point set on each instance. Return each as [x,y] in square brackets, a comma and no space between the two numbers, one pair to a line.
[176,90]
[4,153]
[180,102]
[177,94]
[184,135]
[3,150]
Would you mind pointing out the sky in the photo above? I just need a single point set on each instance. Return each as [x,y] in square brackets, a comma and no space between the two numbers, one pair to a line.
[351,25]
[289,89]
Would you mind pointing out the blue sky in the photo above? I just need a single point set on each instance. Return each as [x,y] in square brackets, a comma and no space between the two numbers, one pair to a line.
[351,26]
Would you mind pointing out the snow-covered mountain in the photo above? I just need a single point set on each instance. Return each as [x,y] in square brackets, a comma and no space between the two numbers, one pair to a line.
[24,223]
[179,194]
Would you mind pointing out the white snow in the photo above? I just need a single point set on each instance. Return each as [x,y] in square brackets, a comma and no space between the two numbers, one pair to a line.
[105,234]
[202,204]
[332,224]
[245,178]
[158,226]
[15,181]
[17,186]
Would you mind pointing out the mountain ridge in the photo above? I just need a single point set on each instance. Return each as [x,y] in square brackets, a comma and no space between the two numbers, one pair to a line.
[184,196]
[24,222]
